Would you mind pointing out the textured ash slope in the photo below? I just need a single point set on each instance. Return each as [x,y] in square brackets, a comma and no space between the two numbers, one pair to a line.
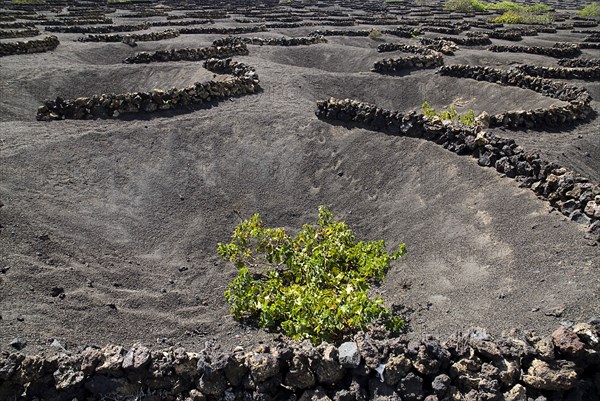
[125,214]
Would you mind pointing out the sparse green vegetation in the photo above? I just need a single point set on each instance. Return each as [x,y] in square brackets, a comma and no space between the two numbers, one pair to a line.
[477,5]
[448,114]
[374,34]
[591,10]
[523,17]
[464,5]
[310,286]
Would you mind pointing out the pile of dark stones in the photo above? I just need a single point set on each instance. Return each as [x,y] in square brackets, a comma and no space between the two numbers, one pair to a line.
[568,192]
[32,46]
[244,81]
[187,54]
[558,50]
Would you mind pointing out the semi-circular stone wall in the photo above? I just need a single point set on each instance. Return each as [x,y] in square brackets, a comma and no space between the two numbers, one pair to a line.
[571,194]
[187,54]
[244,81]
[49,43]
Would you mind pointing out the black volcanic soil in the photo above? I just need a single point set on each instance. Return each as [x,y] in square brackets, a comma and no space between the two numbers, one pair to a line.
[125,214]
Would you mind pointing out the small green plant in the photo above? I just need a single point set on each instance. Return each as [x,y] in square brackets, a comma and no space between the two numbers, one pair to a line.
[591,10]
[464,5]
[448,114]
[310,286]
[375,34]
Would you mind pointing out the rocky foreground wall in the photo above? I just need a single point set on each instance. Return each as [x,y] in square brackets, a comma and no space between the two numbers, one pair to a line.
[571,194]
[466,367]
[579,62]
[32,46]
[244,81]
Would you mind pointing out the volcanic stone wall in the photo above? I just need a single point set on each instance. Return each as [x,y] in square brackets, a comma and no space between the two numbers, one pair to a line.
[591,73]
[578,98]
[187,54]
[32,46]
[399,64]
[299,41]
[570,193]
[141,37]
[224,31]
[473,366]
[18,33]
[559,50]
[245,81]
[472,39]
[97,29]
[579,62]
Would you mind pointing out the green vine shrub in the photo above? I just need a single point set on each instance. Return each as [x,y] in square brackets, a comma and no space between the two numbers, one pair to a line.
[464,5]
[313,285]
[591,10]
[448,114]
[523,17]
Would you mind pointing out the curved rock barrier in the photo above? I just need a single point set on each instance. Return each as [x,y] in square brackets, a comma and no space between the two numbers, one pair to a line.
[578,98]
[400,64]
[513,36]
[283,41]
[442,46]
[558,50]
[579,62]
[32,46]
[390,47]
[441,29]
[469,366]
[472,39]
[136,37]
[590,45]
[245,81]
[182,23]
[403,32]
[187,54]
[571,194]
[339,32]
[77,21]
[287,25]
[223,31]
[591,73]
[17,25]
[18,33]
[97,29]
